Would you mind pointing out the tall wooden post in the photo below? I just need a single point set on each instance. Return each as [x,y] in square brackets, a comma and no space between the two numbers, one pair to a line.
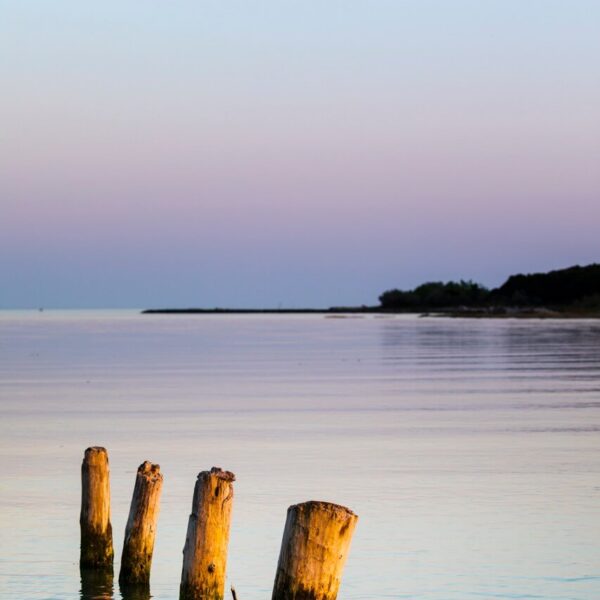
[315,544]
[94,520]
[205,550]
[140,530]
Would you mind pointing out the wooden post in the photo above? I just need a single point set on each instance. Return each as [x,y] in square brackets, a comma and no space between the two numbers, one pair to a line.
[205,550]
[140,530]
[315,544]
[94,520]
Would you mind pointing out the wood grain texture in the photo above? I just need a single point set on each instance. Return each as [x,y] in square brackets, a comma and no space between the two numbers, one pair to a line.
[140,531]
[315,545]
[94,519]
[205,551]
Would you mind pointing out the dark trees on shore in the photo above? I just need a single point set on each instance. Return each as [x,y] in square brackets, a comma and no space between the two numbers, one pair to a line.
[573,287]
[436,294]
[565,287]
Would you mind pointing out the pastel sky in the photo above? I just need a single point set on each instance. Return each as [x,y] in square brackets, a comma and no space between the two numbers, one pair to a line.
[293,153]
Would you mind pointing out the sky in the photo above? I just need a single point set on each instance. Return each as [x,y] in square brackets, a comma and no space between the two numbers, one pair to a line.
[280,153]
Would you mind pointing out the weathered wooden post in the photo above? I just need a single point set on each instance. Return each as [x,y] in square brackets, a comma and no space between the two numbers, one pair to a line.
[205,550]
[315,544]
[140,530]
[94,520]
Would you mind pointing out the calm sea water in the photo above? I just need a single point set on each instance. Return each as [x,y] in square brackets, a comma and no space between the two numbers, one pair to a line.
[470,449]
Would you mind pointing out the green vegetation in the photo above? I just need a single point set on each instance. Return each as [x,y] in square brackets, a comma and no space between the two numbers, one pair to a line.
[576,289]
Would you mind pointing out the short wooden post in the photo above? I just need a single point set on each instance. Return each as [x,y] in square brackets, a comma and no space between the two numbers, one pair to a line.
[315,544]
[205,550]
[94,520]
[140,530]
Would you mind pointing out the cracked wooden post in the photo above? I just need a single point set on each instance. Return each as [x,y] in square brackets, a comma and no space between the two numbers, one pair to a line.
[94,519]
[140,530]
[315,544]
[205,551]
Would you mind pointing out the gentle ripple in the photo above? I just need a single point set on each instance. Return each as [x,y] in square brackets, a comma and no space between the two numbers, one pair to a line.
[469,448]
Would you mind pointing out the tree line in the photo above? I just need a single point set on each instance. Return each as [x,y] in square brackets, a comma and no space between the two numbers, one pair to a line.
[574,286]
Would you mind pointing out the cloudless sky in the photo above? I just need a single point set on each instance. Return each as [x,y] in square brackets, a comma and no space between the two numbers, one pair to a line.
[246,153]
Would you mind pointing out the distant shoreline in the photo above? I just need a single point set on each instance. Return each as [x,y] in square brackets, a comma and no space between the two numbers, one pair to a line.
[260,311]
[571,293]
[466,313]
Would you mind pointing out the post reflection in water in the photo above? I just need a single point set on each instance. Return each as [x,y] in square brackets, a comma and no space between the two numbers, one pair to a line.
[486,429]
[135,591]
[96,584]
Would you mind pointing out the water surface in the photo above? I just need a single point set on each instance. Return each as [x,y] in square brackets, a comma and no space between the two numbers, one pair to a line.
[469,448]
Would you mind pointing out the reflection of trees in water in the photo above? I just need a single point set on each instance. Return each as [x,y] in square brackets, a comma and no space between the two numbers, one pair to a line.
[407,338]
[546,360]
[508,341]
[560,350]
[546,334]
[97,584]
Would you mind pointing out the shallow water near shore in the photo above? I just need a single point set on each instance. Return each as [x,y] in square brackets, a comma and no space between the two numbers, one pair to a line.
[470,449]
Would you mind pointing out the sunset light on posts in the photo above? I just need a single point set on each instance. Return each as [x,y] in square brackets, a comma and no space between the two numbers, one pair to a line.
[315,545]
[96,530]
[205,551]
[140,531]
